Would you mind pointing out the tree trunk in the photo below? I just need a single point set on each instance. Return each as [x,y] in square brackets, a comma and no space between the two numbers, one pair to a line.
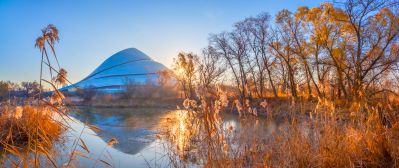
[271,82]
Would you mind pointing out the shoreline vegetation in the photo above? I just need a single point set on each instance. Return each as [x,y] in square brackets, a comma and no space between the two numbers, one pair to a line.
[29,129]
[327,74]
[34,120]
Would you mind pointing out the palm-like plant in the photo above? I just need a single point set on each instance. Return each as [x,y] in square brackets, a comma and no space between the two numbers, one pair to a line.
[50,36]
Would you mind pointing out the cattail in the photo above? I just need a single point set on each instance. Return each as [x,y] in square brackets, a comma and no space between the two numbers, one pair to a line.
[40,42]
[223,96]
[263,104]
[61,77]
[221,137]
[112,142]
[238,106]
[186,103]
[224,100]
[247,103]
[217,106]
[204,104]
[193,103]
[255,112]
[231,128]
[225,148]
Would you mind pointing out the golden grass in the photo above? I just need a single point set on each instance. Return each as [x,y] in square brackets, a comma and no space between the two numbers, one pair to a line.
[29,129]
[20,124]
[319,134]
[29,133]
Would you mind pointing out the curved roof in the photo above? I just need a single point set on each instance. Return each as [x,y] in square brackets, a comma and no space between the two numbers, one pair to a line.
[124,66]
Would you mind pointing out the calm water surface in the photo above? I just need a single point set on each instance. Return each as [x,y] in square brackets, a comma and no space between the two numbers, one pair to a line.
[135,129]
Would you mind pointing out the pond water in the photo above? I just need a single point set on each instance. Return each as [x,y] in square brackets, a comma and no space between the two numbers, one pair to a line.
[136,130]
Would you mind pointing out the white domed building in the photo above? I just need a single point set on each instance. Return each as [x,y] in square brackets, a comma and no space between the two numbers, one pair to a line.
[122,68]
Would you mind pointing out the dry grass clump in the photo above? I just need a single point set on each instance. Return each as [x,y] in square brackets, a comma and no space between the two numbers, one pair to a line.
[327,136]
[333,138]
[30,133]
[333,145]
[21,124]
[29,130]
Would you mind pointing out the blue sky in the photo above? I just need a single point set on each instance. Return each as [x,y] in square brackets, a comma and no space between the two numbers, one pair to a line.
[93,30]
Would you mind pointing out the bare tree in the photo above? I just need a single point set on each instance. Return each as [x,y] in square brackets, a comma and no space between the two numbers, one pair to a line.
[256,30]
[231,47]
[209,69]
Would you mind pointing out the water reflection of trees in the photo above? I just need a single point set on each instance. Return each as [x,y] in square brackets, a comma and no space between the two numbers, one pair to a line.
[182,132]
[190,141]
[134,128]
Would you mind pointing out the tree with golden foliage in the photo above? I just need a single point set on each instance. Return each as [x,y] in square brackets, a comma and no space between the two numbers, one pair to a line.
[346,51]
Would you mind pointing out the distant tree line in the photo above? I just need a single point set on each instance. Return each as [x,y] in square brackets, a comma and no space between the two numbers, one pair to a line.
[9,90]
[131,91]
